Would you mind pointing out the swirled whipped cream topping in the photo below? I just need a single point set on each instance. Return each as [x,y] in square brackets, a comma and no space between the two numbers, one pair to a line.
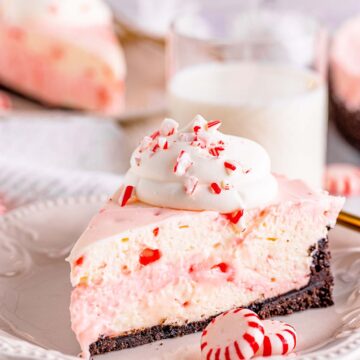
[199,168]
[67,12]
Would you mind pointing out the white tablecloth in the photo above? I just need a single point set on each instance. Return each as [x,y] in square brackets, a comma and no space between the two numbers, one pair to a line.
[47,158]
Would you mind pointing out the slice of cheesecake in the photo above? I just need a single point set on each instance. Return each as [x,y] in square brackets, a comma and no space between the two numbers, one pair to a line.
[143,272]
[62,53]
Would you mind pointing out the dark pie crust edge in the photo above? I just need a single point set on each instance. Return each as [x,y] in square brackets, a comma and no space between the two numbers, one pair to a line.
[346,120]
[317,294]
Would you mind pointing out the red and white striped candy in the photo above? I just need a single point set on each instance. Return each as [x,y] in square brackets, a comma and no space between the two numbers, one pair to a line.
[342,179]
[213,125]
[199,123]
[234,335]
[229,167]
[163,143]
[191,183]
[280,339]
[168,127]
[183,162]
[145,143]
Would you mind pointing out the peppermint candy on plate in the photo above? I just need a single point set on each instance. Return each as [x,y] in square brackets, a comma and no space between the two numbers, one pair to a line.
[235,334]
[280,339]
[342,179]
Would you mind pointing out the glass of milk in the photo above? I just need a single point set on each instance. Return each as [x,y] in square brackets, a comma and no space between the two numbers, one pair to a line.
[262,73]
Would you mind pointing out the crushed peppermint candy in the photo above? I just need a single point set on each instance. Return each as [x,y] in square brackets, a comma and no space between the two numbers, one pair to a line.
[199,123]
[163,143]
[168,127]
[187,137]
[127,194]
[235,216]
[148,256]
[215,188]
[183,163]
[191,183]
[214,125]
[229,167]
[145,143]
[215,151]
[155,148]
[155,134]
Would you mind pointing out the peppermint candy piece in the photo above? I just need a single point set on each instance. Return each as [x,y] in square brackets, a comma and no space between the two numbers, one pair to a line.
[127,194]
[168,127]
[191,183]
[280,339]
[342,179]
[183,162]
[199,123]
[214,125]
[235,334]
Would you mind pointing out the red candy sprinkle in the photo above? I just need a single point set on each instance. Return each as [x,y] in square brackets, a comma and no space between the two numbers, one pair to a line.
[148,256]
[222,266]
[196,129]
[155,135]
[156,231]
[235,216]
[79,261]
[155,148]
[127,195]
[215,188]
[216,150]
[229,166]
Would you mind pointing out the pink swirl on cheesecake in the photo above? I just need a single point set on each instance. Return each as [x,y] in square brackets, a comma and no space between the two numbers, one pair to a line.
[199,168]
[345,64]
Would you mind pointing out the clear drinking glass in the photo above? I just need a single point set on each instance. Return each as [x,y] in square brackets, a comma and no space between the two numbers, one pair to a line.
[261,72]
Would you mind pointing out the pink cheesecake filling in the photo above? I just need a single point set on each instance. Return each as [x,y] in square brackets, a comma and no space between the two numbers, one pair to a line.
[344,61]
[214,266]
[46,64]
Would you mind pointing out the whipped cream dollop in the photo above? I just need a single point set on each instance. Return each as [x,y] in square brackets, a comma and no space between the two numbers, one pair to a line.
[199,168]
[67,12]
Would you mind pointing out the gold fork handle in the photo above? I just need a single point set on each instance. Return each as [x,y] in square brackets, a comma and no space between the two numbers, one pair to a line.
[349,220]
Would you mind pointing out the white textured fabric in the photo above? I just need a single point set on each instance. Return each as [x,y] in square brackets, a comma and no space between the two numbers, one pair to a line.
[61,140]
[51,156]
[20,185]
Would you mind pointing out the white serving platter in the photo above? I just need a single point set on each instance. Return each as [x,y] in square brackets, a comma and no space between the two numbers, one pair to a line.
[35,292]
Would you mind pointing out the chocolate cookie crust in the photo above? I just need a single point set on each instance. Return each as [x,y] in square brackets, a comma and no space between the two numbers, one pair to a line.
[317,294]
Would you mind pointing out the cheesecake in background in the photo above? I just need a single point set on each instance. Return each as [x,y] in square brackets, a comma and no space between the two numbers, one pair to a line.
[62,53]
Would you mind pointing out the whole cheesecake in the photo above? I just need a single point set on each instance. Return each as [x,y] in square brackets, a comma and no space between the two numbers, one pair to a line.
[345,80]
[62,53]
[200,226]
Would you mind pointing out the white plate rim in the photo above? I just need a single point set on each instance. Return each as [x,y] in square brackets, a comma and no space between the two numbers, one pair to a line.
[21,349]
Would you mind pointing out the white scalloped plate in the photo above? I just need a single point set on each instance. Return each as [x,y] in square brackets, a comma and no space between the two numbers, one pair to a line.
[35,290]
